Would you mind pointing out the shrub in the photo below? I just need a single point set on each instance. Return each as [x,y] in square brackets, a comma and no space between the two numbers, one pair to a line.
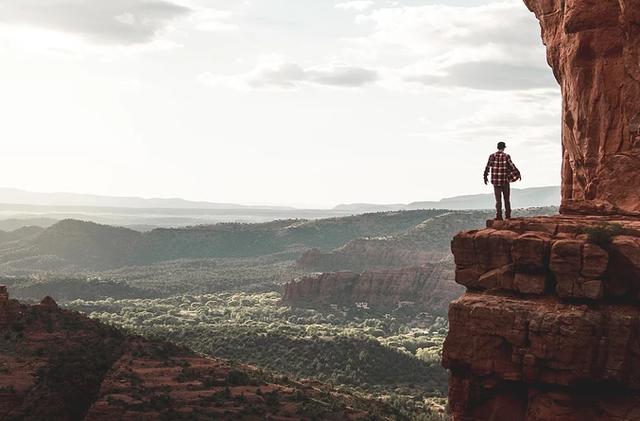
[272,399]
[604,233]
[237,378]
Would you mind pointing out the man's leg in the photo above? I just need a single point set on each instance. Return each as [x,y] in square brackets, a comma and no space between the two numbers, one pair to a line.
[506,190]
[498,193]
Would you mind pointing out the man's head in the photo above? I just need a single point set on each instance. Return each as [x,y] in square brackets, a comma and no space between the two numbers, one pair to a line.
[502,146]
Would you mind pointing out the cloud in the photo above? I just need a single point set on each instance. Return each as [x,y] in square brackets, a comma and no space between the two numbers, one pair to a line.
[496,46]
[122,22]
[356,5]
[213,20]
[279,74]
[487,76]
[341,75]
[532,117]
[491,47]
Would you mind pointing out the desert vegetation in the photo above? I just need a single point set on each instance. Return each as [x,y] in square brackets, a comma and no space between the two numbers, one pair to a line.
[394,357]
[218,291]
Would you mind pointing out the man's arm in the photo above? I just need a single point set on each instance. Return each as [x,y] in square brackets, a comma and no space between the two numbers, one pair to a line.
[513,167]
[486,170]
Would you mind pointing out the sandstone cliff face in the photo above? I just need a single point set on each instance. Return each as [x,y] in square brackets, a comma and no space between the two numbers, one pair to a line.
[430,286]
[548,329]
[594,50]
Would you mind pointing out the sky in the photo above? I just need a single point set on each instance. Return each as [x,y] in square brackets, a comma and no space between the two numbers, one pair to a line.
[308,103]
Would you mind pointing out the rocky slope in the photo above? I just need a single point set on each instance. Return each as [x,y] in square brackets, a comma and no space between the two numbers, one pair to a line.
[59,365]
[548,329]
[430,287]
[594,50]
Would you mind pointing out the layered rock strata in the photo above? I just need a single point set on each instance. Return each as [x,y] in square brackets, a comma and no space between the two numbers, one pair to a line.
[594,50]
[430,286]
[549,328]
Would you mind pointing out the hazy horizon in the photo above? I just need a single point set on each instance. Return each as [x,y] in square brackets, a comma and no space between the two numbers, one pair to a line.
[266,205]
[307,104]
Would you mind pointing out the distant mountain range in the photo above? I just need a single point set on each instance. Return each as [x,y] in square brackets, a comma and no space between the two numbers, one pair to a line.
[23,197]
[20,208]
[520,198]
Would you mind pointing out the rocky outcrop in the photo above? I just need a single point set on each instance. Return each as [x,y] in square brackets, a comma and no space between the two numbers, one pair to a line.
[594,50]
[548,329]
[8,308]
[430,287]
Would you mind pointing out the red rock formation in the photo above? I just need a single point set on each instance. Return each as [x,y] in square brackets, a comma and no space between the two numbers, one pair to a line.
[430,286]
[594,50]
[49,302]
[548,329]
[4,295]
[8,308]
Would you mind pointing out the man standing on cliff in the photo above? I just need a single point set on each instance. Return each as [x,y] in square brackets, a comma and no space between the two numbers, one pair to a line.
[503,172]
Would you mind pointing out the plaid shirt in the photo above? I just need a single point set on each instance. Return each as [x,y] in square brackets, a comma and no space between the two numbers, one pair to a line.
[502,169]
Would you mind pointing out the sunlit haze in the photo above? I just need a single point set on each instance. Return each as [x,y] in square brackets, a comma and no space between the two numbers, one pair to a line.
[293,102]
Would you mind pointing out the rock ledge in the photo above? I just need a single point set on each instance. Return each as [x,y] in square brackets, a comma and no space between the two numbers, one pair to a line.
[549,326]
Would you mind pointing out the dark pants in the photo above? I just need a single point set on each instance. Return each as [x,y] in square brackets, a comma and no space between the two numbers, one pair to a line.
[505,191]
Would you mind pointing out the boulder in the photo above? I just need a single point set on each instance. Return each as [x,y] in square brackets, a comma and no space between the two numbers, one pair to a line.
[531,251]
[464,250]
[566,257]
[493,248]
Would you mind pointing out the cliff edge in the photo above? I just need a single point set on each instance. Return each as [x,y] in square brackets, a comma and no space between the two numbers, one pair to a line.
[549,328]
[429,287]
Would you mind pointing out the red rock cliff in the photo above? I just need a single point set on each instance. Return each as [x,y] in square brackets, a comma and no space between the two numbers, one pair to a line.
[430,286]
[549,327]
[593,47]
